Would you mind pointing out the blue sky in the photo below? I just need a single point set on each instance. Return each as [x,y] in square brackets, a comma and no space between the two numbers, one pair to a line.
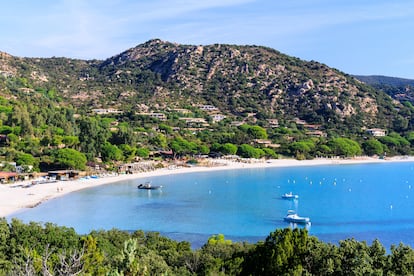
[358,37]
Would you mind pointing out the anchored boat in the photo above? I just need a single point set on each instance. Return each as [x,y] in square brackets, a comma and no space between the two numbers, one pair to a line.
[290,196]
[294,218]
[148,186]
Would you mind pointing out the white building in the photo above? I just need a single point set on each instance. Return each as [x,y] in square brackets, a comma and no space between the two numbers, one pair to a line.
[103,111]
[208,107]
[218,117]
[377,132]
[159,116]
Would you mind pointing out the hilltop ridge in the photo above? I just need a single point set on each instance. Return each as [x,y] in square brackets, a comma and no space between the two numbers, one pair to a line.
[238,80]
[181,101]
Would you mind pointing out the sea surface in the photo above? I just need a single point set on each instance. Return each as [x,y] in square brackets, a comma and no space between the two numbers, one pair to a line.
[363,201]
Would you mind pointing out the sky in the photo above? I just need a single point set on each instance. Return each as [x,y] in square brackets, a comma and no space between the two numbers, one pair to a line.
[364,37]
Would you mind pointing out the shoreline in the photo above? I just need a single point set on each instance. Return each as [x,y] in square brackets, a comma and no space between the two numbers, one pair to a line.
[15,198]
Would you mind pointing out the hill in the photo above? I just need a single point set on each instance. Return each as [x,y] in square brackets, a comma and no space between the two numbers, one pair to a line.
[238,80]
[192,100]
[384,80]
[398,88]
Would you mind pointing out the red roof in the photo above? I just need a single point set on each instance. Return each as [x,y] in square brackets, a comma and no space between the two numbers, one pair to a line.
[7,174]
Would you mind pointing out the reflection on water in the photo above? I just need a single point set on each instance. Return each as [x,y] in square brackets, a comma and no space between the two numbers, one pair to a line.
[306,226]
[150,193]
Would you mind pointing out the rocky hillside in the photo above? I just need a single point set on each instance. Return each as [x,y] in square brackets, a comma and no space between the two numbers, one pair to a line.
[384,80]
[241,81]
[398,88]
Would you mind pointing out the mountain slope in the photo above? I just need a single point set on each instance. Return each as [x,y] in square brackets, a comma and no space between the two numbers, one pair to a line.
[384,80]
[398,88]
[239,80]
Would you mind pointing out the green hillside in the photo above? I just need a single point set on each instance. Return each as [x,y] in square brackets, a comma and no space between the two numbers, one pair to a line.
[192,100]
[398,88]
[239,80]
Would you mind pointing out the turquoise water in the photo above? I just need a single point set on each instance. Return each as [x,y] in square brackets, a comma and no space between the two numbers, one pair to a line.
[364,201]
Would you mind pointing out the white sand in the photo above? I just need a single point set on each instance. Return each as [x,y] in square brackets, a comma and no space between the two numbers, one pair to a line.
[14,197]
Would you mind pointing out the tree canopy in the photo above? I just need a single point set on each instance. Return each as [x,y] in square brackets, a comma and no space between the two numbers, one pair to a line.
[36,249]
[70,158]
[345,147]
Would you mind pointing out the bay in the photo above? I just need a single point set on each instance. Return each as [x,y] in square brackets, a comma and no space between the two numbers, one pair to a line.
[362,201]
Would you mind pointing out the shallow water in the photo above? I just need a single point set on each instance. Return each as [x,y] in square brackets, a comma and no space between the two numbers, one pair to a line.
[364,201]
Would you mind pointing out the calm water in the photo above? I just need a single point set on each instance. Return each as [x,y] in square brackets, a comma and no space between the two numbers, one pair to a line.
[365,201]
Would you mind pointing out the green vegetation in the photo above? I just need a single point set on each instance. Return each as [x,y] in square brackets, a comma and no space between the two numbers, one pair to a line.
[70,159]
[247,151]
[53,137]
[161,97]
[373,147]
[218,99]
[35,249]
[345,147]
[398,88]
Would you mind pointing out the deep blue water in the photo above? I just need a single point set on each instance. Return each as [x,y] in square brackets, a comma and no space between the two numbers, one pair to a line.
[365,201]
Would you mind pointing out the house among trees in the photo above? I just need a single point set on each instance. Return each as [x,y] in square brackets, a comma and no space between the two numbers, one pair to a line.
[299,121]
[273,122]
[63,174]
[104,111]
[195,130]
[159,116]
[6,177]
[311,127]
[262,141]
[166,154]
[377,132]
[265,143]
[217,117]
[195,121]
[131,168]
[181,110]
[208,108]
[316,133]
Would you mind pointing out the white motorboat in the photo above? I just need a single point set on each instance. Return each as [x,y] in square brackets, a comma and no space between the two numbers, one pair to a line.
[290,196]
[292,217]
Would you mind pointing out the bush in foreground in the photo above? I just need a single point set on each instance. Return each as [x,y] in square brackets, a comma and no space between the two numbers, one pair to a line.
[35,249]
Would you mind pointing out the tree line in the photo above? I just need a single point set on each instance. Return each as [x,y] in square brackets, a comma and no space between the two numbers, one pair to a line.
[40,134]
[36,249]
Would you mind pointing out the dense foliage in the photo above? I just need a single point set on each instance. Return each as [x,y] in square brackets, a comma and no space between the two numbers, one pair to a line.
[398,88]
[263,104]
[268,105]
[39,135]
[35,249]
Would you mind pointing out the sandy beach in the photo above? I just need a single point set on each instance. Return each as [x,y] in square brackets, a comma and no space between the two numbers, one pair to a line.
[16,197]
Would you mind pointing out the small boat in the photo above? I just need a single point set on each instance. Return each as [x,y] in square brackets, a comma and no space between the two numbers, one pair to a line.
[290,196]
[148,186]
[292,217]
